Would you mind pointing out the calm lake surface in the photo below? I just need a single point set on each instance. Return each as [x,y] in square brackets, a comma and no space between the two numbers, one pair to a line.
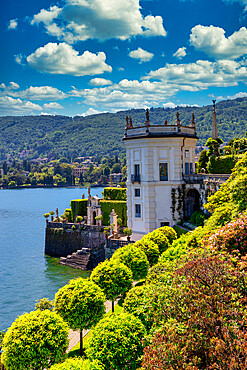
[26,274]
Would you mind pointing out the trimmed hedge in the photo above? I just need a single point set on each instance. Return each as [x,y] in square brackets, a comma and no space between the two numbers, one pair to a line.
[69,212]
[78,207]
[119,206]
[222,164]
[114,194]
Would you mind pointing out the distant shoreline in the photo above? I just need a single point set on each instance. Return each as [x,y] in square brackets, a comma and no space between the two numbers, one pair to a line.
[52,186]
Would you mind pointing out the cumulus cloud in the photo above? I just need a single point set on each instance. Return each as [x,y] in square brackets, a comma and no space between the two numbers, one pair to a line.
[202,74]
[91,111]
[9,105]
[12,24]
[213,42]
[33,92]
[180,53]
[141,55]
[100,82]
[53,106]
[63,59]
[80,20]
[169,105]
[231,97]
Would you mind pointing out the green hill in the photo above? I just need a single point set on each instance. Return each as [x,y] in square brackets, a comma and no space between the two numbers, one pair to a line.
[102,134]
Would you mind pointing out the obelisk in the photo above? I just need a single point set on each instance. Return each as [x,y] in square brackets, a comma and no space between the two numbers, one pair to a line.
[214,128]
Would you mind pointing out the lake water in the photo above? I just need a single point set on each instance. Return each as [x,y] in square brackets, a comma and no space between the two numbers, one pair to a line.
[26,274]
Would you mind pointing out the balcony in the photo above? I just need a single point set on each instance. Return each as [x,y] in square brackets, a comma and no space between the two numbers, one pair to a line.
[135,178]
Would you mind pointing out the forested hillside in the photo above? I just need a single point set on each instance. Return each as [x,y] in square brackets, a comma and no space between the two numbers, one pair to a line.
[100,134]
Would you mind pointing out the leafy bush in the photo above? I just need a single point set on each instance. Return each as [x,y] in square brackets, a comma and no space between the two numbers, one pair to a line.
[44,304]
[68,214]
[202,318]
[222,164]
[159,239]
[78,364]
[115,194]
[137,302]
[116,341]
[198,217]
[159,273]
[134,258]
[180,230]
[35,340]
[150,249]
[232,237]
[169,232]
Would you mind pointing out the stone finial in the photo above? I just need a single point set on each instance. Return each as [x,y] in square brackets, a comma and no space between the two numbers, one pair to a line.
[178,120]
[130,122]
[57,213]
[165,123]
[83,196]
[193,120]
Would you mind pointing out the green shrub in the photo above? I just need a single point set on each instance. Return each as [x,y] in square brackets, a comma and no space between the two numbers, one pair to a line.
[68,213]
[198,217]
[134,258]
[159,239]
[119,206]
[35,340]
[169,232]
[44,304]
[179,230]
[78,364]
[150,249]
[117,341]
[114,194]
[222,164]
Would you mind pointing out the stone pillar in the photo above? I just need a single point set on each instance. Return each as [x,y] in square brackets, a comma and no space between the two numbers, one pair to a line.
[113,220]
[214,128]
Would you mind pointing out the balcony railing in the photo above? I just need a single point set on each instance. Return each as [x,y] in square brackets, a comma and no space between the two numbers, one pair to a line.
[135,178]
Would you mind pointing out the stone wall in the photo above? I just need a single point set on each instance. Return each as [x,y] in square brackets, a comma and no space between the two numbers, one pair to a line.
[61,240]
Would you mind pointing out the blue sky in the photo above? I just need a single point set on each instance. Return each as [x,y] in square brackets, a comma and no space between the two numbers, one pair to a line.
[80,57]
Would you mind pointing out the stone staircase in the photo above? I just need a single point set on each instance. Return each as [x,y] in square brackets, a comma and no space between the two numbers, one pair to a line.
[79,259]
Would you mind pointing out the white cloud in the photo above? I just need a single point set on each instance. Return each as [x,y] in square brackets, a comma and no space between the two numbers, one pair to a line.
[33,92]
[169,105]
[12,24]
[11,106]
[201,74]
[142,55]
[80,20]
[180,53]
[91,111]
[63,59]
[213,42]
[100,82]
[231,97]
[53,106]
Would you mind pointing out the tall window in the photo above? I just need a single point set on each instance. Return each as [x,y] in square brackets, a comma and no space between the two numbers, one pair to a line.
[137,193]
[187,170]
[137,210]
[163,172]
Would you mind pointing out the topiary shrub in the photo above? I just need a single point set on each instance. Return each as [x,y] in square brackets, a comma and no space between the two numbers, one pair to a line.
[159,239]
[134,258]
[119,206]
[198,217]
[35,340]
[137,302]
[116,341]
[150,249]
[169,232]
[78,208]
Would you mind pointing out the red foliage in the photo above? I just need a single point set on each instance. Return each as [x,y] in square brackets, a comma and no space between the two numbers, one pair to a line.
[209,329]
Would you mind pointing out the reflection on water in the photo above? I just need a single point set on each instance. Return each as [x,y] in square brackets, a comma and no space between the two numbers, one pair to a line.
[26,274]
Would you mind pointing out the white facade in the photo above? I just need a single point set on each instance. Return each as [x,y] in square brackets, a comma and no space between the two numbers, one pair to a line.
[157,159]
